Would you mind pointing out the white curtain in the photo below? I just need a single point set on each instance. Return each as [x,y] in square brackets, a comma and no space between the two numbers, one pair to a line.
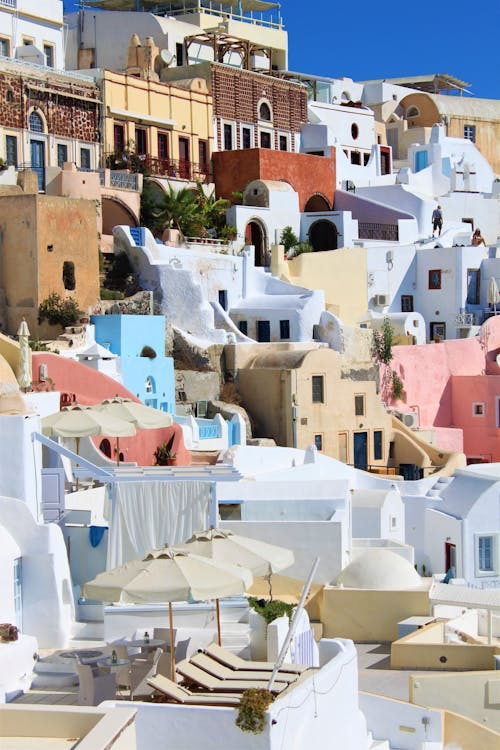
[143,516]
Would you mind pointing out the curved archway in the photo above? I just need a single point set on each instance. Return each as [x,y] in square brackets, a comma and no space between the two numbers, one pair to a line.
[116,212]
[255,234]
[105,447]
[323,235]
[316,203]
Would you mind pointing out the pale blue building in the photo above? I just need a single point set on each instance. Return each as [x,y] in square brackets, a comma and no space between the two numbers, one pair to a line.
[147,373]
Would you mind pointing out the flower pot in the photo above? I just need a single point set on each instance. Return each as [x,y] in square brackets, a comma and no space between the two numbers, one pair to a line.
[172,461]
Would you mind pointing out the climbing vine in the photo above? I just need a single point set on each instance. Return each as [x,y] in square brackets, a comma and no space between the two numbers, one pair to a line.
[392,386]
[252,710]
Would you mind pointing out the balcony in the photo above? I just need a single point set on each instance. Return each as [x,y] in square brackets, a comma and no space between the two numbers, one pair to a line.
[8,3]
[371,230]
[181,169]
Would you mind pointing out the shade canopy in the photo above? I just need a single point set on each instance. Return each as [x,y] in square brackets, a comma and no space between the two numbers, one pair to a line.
[143,417]
[221,545]
[78,421]
[168,575]
[493,293]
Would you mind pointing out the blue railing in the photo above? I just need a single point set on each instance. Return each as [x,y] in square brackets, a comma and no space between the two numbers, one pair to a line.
[208,430]
[137,234]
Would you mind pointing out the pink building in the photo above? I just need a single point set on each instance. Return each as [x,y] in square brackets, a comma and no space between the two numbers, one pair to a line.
[455,388]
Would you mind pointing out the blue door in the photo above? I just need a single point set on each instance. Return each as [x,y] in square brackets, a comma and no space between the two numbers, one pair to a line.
[361,450]
[421,160]
[38,161]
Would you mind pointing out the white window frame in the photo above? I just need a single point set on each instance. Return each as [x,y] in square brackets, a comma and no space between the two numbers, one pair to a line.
[251,128]
[481,413]
[480,572]
[269,130]
[232,125]
[283,134]
[53,48]
[262,101]
[7,39]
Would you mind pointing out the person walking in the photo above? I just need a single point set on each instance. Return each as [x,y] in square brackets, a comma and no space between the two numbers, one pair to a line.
[437,220]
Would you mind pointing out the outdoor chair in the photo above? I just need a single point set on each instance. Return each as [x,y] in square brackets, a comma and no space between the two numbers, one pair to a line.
[202,679]
[236,662]
[140,672]
[179,694]
[216,669]
[95,686]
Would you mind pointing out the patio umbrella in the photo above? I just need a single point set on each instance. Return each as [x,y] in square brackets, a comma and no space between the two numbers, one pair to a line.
[168,575]
[493,294]
[79,421]
[24,371]
[143,417]
[222,545]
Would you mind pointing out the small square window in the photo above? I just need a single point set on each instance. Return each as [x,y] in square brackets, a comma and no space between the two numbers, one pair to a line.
[486,554]
[318,395]
[470,133]
[478,409]
[359,405]
[318,442]
[435,279]
[284,329]
[265,139]
[407,303]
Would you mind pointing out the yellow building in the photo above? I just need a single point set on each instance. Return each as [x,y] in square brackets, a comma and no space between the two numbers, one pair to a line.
[159,128]
[299,398]
[49,244]
[464,117]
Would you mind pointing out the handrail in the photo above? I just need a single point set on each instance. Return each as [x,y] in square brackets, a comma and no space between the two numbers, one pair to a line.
[97,471]
[294,623]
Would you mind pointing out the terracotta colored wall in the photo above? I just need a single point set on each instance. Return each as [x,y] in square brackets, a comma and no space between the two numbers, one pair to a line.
[90,387]
[481,434]
[307,174]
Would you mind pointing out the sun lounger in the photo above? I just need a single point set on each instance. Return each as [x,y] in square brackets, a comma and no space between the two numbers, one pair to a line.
[179,694]
[236,662]
[215,668]
[208,682]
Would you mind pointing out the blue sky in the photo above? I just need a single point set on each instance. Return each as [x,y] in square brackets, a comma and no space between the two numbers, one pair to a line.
[362,39]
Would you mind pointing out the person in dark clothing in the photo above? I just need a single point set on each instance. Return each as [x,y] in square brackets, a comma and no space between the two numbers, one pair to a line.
[437,220]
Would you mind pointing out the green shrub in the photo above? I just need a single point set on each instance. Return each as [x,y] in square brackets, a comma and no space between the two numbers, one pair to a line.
[271,609]
[288,238]
[397,386]
[302,247]
[252,710]
[111,294]
[57,310]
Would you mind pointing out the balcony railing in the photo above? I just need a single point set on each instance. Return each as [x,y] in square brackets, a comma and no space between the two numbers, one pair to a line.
[182,169]
[465,319]
[368,230]
[9,3]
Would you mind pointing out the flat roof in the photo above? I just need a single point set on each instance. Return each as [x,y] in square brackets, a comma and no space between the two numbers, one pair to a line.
[432,83]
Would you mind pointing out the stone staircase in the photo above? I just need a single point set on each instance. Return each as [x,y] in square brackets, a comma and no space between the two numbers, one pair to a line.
[438,487]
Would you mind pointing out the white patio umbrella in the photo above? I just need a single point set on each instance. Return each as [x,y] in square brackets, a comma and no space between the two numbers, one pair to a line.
[168,575]
[143,417]
[223,546]
[79,421]
[24,371]
[493,294]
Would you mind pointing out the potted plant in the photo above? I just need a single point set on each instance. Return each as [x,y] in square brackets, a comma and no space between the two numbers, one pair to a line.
[164,455]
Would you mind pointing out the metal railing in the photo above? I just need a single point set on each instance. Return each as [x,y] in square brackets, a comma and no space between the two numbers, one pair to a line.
[182,169]
[216,9]
[465,319]
[371,230]
[9,3]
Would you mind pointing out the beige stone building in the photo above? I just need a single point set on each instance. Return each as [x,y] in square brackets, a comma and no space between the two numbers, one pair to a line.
[464,117]
[48,244]
[299,398]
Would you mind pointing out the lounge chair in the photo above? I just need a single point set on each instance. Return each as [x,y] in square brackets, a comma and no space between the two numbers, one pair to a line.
[202,679]
[236,662]
[215,668]
[179,694]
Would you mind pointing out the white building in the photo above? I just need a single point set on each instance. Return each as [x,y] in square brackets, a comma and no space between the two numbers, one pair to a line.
[32,32]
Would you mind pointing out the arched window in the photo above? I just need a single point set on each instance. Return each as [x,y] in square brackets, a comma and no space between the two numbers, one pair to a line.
[149,386]
[265,112]
[346,97]
[36,123]
[354,130]
[412,112]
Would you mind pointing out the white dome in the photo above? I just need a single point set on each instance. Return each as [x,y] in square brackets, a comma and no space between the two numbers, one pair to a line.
[380,569]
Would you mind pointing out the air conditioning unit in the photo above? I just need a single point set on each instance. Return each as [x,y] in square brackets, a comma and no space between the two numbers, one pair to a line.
[381,300]
[408,418]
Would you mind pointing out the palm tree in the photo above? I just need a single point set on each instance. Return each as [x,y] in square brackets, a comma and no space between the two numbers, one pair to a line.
[180,209]
[213,209]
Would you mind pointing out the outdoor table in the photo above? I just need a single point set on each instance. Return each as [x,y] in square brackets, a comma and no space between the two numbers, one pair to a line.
[142,644]
[86,655]
[108,662]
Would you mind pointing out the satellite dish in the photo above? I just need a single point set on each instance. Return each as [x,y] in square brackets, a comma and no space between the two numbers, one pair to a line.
[167,56]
